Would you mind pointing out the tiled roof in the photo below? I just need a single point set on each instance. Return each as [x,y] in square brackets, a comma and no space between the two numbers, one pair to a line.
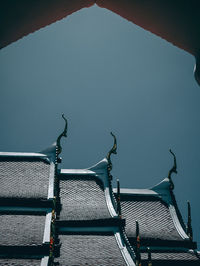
[173,257]
[153,216]
[97,249]
[82,198]
[21,230]
[20,262]
[24,177]
[88,228]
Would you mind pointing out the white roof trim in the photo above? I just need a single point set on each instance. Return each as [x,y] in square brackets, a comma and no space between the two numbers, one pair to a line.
[23,154]
[26,155]
[76,172]
[47,154]
[47,228]
[98,168]
[142,192]
[126,255]
[51,181]
[161,190]
[177,224]
[44,261]
[109,203]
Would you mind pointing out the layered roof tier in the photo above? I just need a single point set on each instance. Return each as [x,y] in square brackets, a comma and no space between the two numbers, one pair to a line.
[158,216]
[89,228]
[51,216]
[26,202]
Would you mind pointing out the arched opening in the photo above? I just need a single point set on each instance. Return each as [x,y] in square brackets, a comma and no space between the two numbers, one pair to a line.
[173,126]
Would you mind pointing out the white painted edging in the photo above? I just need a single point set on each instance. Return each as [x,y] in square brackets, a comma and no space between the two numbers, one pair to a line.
[44,261]
[126,255]
[51,181]
[47,228]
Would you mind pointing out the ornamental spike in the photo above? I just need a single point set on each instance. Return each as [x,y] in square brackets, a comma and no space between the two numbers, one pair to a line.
[189,222]
[63,134]
[149,256]
[137,253]
[118,199]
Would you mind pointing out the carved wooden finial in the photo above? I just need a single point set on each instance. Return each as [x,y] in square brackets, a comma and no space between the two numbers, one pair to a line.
[63,134]
[172,170]
[113,150]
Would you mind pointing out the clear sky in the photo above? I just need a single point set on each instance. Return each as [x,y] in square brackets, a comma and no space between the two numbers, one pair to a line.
[105,74]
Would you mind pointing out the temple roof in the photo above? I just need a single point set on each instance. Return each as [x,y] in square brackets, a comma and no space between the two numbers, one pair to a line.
[83,225]
[157,213]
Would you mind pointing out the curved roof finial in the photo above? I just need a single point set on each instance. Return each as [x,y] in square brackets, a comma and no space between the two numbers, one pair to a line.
[172,170]
[113,150]
[63,134]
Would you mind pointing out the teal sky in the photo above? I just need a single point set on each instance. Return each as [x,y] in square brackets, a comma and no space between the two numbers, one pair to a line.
[106,74]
